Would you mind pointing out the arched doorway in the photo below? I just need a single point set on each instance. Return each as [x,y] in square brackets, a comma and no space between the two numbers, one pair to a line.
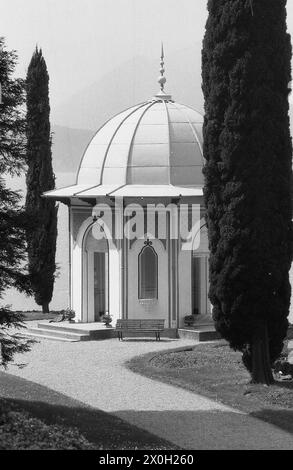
[96,257]
[200,303]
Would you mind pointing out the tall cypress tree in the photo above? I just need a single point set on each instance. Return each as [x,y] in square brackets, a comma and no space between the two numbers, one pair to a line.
[42,212]
[12,220]
[246,71]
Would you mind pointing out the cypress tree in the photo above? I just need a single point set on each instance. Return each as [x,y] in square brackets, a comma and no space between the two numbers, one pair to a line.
[41,212]
[12,219]
[247,145]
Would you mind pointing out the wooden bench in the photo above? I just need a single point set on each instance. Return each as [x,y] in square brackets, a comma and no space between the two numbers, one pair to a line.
[140,326]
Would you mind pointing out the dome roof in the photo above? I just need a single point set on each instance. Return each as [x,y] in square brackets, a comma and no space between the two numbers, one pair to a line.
[158,142]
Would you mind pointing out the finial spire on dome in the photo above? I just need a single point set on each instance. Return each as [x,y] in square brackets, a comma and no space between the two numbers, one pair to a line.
[162,79]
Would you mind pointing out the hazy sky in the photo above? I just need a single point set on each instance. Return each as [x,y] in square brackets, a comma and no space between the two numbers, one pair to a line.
[84,39]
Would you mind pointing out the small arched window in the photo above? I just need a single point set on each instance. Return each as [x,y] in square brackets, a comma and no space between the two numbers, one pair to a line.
[148,273]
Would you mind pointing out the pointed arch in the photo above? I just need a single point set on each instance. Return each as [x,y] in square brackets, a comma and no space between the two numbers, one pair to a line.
[147,272]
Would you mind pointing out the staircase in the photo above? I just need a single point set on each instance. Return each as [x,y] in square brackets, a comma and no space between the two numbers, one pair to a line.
[69,332]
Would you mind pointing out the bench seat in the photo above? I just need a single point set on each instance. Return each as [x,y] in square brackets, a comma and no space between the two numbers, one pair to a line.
[140,326]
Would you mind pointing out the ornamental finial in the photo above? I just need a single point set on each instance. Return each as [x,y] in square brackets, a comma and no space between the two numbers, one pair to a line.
[162,95]
[162,79]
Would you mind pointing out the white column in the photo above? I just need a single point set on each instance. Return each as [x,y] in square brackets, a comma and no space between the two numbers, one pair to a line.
[89,291]
[115,266]
[106,283]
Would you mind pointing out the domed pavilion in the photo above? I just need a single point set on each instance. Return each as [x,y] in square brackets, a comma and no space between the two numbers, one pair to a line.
[138,183]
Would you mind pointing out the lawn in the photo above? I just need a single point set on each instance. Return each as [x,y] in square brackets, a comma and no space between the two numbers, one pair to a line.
[217,372]
[38,315]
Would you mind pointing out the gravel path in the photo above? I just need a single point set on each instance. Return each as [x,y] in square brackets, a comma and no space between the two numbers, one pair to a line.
[93,373]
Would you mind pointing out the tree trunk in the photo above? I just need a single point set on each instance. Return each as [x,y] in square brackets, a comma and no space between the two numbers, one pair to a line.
[261,364]
[45,307]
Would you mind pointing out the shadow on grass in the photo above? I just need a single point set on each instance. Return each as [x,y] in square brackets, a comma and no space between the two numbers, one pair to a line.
[285,384]
[101,428]
[282,418]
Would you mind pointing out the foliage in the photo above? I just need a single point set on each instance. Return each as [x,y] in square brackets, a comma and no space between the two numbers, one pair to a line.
[68,314]
[248,174]
[11,341]
[12,218]
[19,430]
[12,143]
[107,319]
[41,212]
[190,319]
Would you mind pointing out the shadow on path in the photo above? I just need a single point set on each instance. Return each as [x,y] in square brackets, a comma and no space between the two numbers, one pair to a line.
[96,425]
[211,429]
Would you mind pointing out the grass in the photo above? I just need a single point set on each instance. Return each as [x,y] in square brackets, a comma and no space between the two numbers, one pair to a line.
[38,315]
[19,430]
[217,372]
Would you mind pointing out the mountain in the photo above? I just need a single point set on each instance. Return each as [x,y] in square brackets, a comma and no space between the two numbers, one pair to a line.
[130,83]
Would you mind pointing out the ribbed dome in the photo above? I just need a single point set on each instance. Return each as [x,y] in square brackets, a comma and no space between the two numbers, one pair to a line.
[158,142]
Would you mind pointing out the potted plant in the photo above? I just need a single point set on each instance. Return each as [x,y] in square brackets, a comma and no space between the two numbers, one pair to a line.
[107,319]
[64,315]
[69,315]
[189,320]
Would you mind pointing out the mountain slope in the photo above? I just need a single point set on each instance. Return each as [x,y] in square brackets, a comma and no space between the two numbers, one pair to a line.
[133,82]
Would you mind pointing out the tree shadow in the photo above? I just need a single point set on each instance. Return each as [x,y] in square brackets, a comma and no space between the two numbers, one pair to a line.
[212,429]
[97,426]
[285,384]
[282,418]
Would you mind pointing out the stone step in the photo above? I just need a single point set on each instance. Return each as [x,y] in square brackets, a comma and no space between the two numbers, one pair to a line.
[200,327]
[64,327]
[93,332]
[63,335]
[204,334]
[50,337]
